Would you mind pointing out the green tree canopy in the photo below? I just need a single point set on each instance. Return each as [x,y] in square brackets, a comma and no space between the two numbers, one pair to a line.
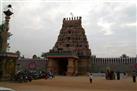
[34,56]
[1,27]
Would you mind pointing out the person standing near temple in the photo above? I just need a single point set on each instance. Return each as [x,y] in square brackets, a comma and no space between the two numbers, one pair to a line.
[134,76]
[90,77]
[118,75]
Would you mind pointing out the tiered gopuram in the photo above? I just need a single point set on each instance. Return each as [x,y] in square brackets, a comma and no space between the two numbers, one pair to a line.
[71,54]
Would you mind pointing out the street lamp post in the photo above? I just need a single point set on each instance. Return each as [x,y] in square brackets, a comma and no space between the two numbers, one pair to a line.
[8,59]
[5,34]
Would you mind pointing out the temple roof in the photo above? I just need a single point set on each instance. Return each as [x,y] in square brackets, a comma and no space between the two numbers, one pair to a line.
[61,55]
[8,54]
[72,22]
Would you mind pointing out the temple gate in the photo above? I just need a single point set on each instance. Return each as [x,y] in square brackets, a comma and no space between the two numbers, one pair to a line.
[71,54]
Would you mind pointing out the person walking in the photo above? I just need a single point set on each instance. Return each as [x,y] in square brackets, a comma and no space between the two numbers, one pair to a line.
[90,77]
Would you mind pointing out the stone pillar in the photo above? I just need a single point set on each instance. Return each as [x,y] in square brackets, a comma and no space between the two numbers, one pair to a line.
[72,67]
[50,65]
[84,66]
[4,36]
[76,67]
[5,75]
[3,67]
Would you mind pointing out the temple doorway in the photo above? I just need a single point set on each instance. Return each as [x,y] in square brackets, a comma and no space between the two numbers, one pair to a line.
[62,66]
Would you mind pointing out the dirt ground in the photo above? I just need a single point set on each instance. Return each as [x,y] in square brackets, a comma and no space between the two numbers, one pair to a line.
[80,83]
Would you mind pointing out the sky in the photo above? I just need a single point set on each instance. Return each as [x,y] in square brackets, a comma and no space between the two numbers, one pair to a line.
[110,25]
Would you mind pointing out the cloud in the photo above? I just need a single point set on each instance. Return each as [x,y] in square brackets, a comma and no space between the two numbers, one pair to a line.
[113,25]
[105,27]
[109,26]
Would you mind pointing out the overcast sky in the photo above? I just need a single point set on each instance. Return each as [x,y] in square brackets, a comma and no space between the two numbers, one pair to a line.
[110,25]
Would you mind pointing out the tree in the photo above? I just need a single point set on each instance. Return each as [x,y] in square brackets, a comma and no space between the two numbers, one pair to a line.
[44,55]
[34,56]
[1,40]
[124,56]
[18,53]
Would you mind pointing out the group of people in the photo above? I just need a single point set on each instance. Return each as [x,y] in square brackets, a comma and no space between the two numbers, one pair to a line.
[28,77]
[110,75]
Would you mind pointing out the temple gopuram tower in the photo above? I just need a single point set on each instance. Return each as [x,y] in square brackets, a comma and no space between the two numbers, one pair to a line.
[71,54]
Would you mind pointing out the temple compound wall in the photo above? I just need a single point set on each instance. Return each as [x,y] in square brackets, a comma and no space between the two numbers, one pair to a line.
[31,64]
[117,64]
[71,54]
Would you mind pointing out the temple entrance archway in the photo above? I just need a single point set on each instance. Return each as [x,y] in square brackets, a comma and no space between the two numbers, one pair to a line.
[62,64]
